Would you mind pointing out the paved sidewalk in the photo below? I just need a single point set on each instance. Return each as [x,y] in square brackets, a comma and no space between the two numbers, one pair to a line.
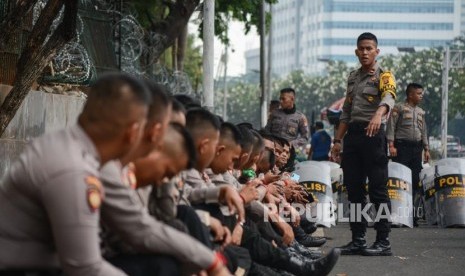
[426,250]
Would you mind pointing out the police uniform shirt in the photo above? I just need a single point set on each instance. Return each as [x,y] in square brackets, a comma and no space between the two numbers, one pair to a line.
[291,126]
[196,189]
[50,207]
[126,219]
[227,177]
[366,91]
[407,123]
[255,206]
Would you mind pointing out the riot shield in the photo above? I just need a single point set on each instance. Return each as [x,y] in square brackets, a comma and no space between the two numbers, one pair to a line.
[299,165]
[315,177]
[450,191]
[400,192]
[427,181]
[336,183]
[336,175]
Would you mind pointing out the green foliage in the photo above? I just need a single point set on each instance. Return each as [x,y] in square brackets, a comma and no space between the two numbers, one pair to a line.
[155,9]
[246,11]
[313,93]
[425,67]
[243,103]
[193,62]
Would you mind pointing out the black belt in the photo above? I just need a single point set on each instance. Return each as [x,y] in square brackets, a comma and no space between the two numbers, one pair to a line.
[408,142]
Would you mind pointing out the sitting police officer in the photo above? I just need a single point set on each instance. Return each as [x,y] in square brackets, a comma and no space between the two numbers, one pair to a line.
[50,199]
[371,92]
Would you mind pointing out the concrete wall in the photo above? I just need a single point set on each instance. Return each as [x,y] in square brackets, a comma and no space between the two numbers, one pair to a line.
[40,112]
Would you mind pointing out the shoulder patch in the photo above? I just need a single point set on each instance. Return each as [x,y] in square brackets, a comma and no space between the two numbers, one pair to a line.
[387,84]
[94,192]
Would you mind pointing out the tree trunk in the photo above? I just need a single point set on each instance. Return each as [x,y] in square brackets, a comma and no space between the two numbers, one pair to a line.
[170,28]
[36,55]
[174,55]
[181,48]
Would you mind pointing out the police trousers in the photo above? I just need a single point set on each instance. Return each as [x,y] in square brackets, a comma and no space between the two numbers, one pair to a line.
[409,154]
[363,157]
[146,264]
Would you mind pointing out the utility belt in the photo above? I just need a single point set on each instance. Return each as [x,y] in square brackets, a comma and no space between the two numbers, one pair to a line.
[403,142]
[361,127]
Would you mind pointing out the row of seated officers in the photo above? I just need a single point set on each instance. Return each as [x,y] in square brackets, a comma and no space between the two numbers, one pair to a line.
[148,184]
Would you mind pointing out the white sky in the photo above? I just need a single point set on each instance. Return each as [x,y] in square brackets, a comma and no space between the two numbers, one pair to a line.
[239,43]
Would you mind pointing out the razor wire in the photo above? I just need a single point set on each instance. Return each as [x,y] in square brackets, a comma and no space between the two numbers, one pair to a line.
[71,64]
[131,36]
[136,46]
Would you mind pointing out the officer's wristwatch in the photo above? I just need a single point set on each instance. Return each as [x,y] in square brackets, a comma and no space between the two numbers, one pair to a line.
[335,141]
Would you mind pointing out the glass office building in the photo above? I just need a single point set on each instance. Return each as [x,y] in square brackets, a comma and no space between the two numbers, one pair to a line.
[308,33]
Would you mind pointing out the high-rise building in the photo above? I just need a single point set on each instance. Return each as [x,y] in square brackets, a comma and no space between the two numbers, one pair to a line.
[462,16]
[308,33]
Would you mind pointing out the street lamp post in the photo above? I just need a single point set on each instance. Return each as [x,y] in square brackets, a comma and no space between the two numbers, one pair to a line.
[452,59]
[263,106]
[208,52]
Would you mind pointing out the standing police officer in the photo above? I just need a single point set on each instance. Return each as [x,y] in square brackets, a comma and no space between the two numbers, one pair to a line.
[287,122]
[371,93]
[406,133]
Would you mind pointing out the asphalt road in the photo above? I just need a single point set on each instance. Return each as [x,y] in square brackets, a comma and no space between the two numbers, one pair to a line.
[426,250]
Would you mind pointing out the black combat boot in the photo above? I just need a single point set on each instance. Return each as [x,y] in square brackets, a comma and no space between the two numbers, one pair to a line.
[319,267]
[306,239]
[356,246]
[305,251]
[308,226]
[381,247]
[261,270]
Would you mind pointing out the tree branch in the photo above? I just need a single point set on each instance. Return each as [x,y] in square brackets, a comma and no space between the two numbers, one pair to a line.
[40,31]
[35,61]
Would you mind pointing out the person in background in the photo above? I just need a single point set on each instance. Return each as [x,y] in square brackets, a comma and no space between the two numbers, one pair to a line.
[274,104]
[320,144]
[287,122]
[406,133]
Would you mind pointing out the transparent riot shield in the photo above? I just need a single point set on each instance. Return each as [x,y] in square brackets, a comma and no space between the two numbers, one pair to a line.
[450,191]
[427,181]
[336,175]
[336,184]
[400,192]
[315,177]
